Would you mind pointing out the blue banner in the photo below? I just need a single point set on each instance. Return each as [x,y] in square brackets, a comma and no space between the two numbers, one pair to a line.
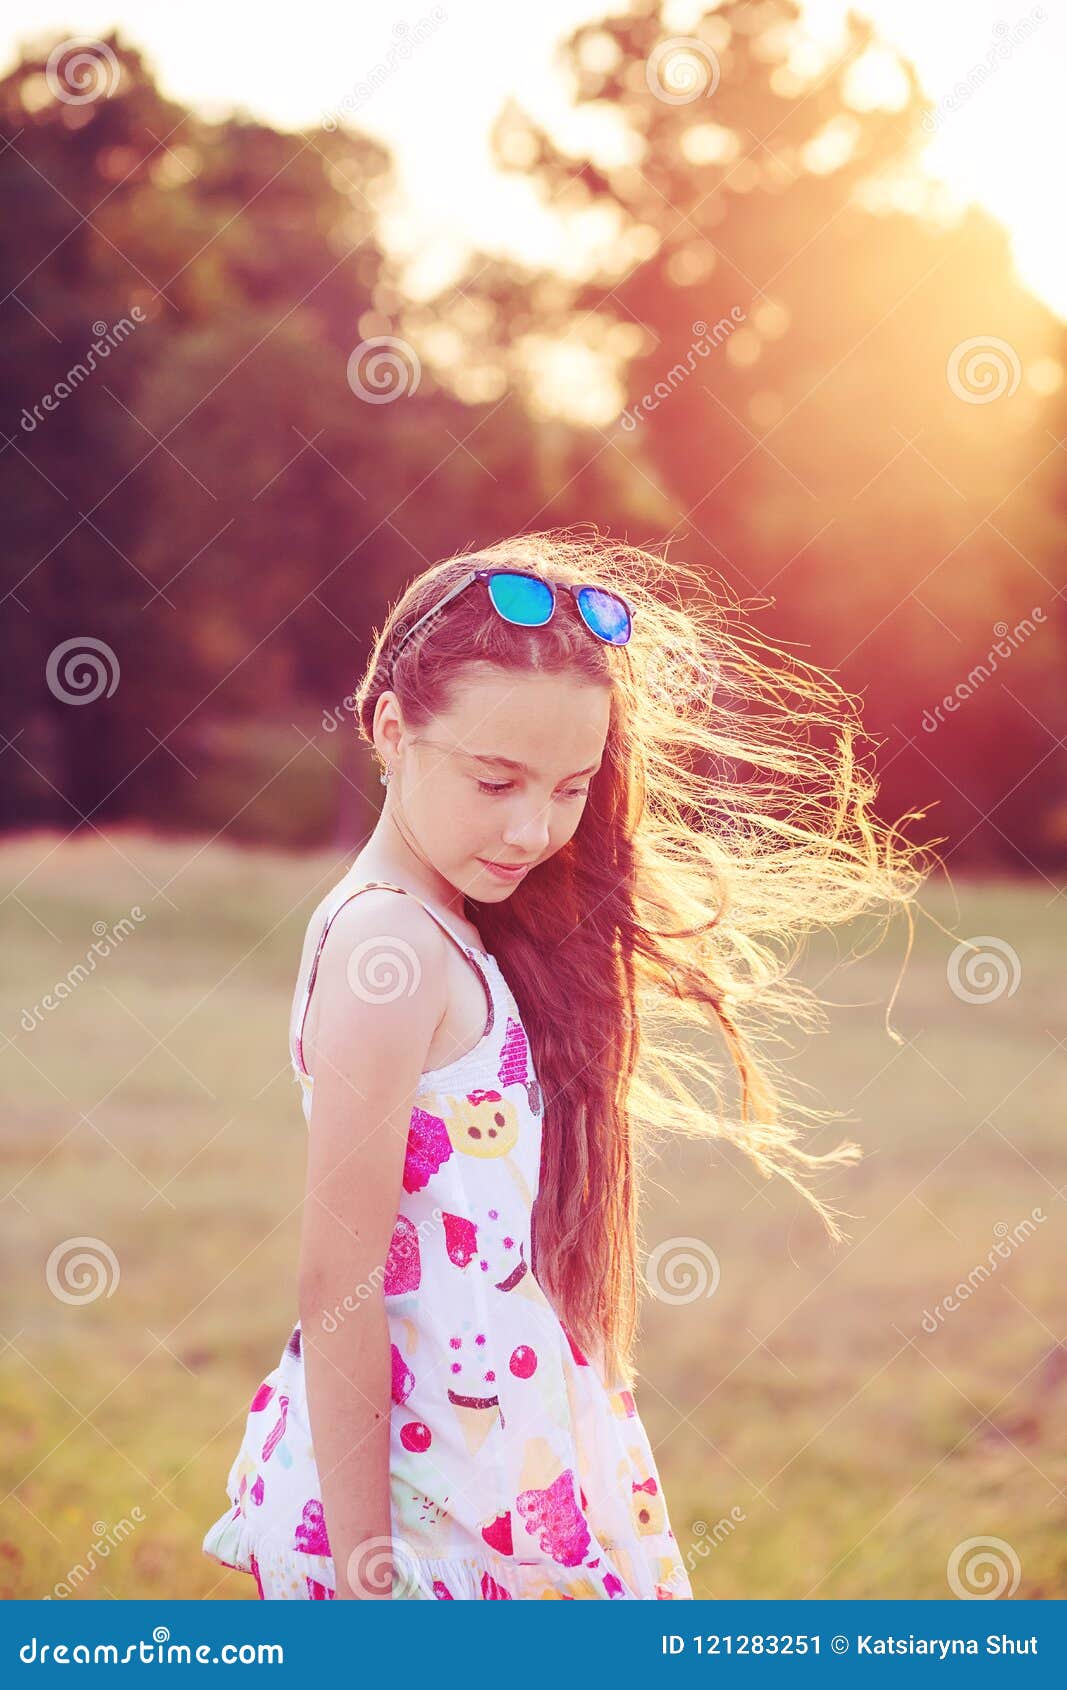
[780,1643]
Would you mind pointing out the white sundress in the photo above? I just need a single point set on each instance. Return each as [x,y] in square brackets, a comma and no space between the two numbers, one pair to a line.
[515,1471]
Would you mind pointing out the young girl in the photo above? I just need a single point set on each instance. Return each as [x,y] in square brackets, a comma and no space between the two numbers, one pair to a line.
[604,815]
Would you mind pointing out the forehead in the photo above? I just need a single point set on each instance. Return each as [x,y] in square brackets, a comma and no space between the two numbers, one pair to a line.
[544,724]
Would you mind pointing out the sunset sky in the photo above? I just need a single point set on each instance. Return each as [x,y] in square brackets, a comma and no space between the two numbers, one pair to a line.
[436,111]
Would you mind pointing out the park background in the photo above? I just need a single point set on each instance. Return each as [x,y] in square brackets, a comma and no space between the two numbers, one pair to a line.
[776,292]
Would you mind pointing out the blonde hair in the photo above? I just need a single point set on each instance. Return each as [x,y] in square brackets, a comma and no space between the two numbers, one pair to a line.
[732,814]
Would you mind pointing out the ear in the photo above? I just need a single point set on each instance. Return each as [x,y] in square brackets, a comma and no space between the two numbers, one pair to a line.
[388,725]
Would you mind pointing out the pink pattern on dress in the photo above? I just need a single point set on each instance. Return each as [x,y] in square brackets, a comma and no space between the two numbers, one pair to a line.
[261,1398]
[403,1378]
[493,1592]
[514,1057]
[311,1532]
[403,1265]
[319,1592]
[497,1534]
[275,1437]
[428,1148]
[461,1239]
[553,1516]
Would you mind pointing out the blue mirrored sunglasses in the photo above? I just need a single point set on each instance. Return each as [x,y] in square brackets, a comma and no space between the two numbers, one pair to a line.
[529,601]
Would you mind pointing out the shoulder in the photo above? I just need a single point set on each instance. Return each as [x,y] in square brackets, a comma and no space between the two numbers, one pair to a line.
[384,943]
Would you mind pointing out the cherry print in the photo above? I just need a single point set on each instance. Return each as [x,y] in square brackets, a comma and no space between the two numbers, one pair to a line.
[523,1362]
[415,1436]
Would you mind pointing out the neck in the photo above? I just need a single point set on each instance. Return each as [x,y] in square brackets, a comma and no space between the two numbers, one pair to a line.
[391,854]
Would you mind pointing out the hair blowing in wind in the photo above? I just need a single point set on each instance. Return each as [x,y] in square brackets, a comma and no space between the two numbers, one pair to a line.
[731,816]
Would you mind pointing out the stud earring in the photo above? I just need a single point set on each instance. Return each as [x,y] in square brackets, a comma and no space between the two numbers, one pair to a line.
[385,776]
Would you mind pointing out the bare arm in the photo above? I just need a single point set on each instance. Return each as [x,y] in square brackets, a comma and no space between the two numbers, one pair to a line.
[370,1049]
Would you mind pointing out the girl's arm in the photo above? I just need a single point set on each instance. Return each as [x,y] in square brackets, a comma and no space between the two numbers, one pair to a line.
[370,1049]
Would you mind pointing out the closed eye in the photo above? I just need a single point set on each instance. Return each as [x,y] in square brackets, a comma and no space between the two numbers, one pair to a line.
[498,787]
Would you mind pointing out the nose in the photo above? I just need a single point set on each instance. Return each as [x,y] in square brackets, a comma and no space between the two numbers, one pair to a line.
[529,833]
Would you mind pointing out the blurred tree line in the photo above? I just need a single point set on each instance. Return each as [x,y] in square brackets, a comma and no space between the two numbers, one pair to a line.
[225,503]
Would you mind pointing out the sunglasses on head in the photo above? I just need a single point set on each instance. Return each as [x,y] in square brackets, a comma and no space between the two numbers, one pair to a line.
[529,601]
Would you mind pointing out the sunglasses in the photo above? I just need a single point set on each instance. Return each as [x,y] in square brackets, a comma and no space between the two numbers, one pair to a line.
[529,601]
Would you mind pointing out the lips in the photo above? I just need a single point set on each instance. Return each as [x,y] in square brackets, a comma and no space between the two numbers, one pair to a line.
[505,871]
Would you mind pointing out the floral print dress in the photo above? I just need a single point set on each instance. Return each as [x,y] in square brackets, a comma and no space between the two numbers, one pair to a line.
[515,1470]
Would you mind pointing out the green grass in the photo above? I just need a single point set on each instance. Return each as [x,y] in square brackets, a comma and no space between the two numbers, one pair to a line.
[849,1451]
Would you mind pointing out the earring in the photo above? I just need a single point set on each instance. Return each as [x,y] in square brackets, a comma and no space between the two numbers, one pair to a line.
[385,776]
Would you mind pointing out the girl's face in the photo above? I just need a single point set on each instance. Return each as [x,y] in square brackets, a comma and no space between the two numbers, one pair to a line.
[502,778]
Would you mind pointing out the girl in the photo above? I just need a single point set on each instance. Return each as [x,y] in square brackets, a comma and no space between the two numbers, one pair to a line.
[604,815]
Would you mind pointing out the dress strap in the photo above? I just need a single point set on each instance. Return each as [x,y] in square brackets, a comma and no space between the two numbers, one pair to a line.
[344,894]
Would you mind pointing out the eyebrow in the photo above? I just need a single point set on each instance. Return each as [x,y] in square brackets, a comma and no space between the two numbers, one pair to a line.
[521,768]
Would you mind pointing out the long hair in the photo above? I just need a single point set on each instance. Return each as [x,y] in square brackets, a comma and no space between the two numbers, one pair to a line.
[730,816]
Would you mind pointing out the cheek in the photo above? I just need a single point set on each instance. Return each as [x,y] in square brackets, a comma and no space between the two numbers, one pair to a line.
[566,826]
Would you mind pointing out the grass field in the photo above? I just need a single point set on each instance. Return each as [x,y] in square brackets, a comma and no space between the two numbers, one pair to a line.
[813,1438]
